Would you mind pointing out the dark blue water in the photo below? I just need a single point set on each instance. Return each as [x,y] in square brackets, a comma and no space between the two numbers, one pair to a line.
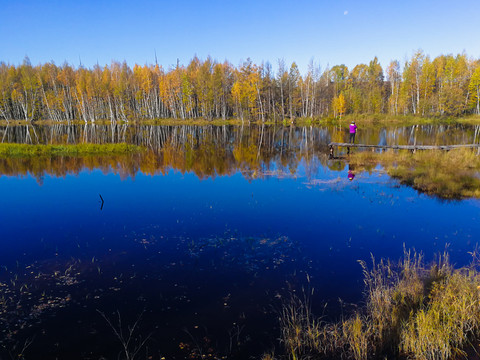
[207,260]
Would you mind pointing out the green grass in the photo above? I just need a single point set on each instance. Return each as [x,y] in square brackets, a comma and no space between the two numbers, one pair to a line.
[9,150]
[411,311]
[365,120]
[448,174]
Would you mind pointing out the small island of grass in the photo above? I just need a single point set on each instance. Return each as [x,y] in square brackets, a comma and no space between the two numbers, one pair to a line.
[9,150]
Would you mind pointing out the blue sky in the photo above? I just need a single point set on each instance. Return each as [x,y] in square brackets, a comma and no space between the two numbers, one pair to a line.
[330,32]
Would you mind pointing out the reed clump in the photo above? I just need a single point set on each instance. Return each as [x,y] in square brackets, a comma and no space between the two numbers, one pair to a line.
[25,150]
[449,175]
[411,311]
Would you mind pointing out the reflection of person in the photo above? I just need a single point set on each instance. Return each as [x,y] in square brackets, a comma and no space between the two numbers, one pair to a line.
[351,174]
[353,131]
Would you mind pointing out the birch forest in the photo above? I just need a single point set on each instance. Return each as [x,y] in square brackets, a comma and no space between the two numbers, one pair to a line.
[448,85]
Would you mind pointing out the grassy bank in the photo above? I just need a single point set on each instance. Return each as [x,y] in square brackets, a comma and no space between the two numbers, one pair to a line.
[361,119]
[23,150]
[406,120]
[450,175]
[411,311]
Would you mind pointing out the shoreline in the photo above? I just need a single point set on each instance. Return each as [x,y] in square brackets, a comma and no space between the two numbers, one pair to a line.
[363,120]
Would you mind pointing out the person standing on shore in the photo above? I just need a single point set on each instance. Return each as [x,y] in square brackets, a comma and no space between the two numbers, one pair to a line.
[353,131]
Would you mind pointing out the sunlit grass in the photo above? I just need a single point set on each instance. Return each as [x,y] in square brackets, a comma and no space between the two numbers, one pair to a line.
[449,174]
[411,311]
[24,150]
[364,120]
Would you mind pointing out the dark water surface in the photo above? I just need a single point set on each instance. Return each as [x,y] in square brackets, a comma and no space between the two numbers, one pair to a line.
[204,235]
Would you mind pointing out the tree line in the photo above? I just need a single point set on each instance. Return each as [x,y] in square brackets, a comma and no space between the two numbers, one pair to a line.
[448,85]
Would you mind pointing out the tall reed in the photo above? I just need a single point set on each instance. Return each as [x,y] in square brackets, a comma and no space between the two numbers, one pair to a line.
[411,311]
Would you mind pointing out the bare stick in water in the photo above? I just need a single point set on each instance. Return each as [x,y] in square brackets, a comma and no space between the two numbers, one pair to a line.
[101,198]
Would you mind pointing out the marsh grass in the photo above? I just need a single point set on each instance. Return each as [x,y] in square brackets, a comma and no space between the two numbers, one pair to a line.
[8,150]
[303,334]
[411,311]
[450,174]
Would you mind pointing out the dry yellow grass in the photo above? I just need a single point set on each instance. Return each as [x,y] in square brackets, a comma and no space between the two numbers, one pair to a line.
[450,175]
[411,311]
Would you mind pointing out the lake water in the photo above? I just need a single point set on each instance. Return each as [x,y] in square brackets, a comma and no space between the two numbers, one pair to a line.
[204,235]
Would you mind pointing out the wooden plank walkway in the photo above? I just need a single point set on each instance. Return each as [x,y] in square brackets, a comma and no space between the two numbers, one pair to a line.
[406,147]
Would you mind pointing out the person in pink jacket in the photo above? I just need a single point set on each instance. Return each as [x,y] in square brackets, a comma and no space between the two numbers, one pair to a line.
[353,131]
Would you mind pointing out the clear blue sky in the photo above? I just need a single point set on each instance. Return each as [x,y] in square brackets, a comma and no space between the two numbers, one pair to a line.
[329,31]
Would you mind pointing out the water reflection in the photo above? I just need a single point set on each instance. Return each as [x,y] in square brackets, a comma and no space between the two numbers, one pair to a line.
[208,151]
[212,257]
[156,136]
[351,173]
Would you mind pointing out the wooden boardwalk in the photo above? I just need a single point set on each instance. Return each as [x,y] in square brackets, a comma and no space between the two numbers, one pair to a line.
[405,147]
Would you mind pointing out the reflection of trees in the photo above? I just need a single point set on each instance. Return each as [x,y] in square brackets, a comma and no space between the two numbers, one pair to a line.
[61,166]
[274,136]
[205,150]
[208,151]
[255,151]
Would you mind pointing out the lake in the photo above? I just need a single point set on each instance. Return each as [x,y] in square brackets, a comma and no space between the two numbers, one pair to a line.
[202,237]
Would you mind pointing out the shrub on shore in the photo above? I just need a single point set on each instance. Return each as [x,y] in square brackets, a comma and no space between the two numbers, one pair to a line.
[412,311]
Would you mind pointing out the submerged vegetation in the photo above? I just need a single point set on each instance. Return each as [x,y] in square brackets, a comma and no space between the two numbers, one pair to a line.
[411,311]
[450,175]
[85,285]
[445,86]
[24,150]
